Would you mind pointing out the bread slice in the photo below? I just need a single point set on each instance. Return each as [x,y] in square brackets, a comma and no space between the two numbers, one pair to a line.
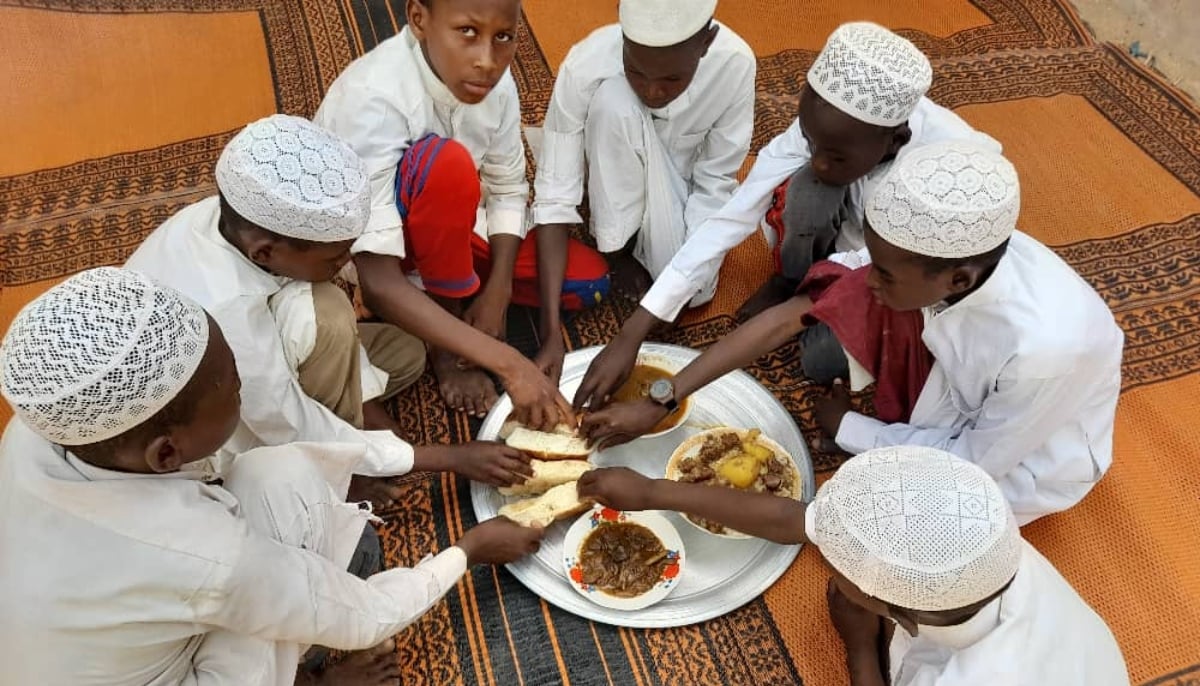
[564,443]
[557,503]
[547,475]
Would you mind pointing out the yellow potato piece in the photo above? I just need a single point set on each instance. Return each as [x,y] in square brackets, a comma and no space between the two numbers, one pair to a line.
[759,452]
[740,471]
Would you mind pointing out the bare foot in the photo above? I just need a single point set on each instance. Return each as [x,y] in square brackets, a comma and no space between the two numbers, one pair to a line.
[378,490]
[374,667]
[629,277]
[776,290]
[466,390]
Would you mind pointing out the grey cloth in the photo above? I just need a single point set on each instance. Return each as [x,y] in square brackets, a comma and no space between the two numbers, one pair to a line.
[822,357]
[812,216]
[367,560]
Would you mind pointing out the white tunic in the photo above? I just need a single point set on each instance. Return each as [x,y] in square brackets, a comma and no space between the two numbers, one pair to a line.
[1037,633]
[388,99]
[703,137]
[189,254]
[698,262]
[1025,382]
[108,578]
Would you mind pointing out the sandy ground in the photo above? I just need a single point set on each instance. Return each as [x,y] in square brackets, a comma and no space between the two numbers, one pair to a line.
[1167,30]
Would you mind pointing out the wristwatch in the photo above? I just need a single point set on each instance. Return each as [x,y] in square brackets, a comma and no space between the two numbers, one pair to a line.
[662,392]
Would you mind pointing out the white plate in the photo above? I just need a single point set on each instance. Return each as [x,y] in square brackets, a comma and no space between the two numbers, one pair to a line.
[722,574]
[601,516]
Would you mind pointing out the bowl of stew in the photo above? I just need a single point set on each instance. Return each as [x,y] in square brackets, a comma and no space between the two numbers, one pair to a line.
[623,560]
[742,459]
[651,368]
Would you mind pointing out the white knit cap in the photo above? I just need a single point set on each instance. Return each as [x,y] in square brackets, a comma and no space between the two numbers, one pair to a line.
[660,23]
[99,354]
[294,178]
[916,527]
[871,74]
[949,199]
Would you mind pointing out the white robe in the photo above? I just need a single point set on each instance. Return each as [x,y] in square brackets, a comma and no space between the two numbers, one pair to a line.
[661,171]
[699,260]
[388,99]
[1025,382]
[189,254]
[109,578]
[1039,632]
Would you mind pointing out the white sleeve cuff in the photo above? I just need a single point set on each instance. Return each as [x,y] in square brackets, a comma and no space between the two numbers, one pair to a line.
[505,220]
[858,433]
[388,241]
[549,213]
[447,566]
[386,455]
[670,292]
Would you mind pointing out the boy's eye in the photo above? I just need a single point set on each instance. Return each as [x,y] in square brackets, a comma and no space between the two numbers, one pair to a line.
[467,31]
[504,37]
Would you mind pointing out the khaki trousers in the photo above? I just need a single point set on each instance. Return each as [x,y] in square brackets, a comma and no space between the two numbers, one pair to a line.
[332,373]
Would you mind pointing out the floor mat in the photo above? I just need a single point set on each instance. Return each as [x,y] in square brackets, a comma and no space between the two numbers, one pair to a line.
[113,121]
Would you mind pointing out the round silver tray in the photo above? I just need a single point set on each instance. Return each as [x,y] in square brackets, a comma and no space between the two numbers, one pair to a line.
[721,574]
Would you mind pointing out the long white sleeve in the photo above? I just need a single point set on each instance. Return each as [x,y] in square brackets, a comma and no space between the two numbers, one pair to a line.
[502,172]
[558,186]
[698,261]
[280,593]
[714,175]
[277,410]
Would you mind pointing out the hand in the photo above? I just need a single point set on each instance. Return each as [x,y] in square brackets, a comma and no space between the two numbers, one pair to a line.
[620,488]
[832,408]
[606,373]
[550,358]
[537,402]
[621,422]
[490,462]
[488,313]
[858,626]
[499,541]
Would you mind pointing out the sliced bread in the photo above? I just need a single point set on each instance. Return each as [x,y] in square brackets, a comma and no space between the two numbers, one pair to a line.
[547,475]
[557,503]
[564,443]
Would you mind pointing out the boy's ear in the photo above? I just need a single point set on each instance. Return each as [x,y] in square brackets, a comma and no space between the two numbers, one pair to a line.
[904,618]
[901,135]
[260,250]
[416,10]
[962,279]
[162,455]
[709,36]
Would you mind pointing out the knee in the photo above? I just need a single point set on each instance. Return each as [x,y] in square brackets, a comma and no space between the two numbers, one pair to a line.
[437,169]
[810,205]
[337,323]
[273,480]
[614,109]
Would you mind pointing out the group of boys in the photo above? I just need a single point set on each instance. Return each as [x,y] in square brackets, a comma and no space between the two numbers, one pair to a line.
[186,491]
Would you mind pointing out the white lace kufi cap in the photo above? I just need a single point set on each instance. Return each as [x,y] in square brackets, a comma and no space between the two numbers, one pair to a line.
[99,354]
[660,23]
[294,178]
[950,199]
[916,527]
[871,74]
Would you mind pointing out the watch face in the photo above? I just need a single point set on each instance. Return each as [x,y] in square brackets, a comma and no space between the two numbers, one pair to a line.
[662,390]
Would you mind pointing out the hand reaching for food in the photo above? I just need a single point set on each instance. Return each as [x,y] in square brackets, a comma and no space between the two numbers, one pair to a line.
[620,488]
[621,422]
[500,541]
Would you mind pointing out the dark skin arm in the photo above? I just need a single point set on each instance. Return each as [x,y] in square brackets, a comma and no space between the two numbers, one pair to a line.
[611,367]
[391,296]
[769,330]
[552,269]
[758,514]
[488,311]
[861,632]
[484,461]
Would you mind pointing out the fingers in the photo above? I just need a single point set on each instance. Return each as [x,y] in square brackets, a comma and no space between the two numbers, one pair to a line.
[613,440]
[565,411]
[535,417]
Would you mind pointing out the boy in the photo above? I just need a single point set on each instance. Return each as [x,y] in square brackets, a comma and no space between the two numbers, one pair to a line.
[434,114]
[659,111]
[982,341]
[926,559]
[862,103]
[259,256]
[120,563]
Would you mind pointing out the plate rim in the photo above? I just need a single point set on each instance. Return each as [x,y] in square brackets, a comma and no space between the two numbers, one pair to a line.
[659,525]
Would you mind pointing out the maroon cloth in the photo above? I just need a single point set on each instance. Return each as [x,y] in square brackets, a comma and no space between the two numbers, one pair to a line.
[885,342]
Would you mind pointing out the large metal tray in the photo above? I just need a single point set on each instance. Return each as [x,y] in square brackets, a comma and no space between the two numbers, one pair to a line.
[721,574]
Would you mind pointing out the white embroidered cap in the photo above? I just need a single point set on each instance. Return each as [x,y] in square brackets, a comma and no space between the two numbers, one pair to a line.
[294,178]
[871,74]
[916,527]
[660,23]
[949,199]
[99,354]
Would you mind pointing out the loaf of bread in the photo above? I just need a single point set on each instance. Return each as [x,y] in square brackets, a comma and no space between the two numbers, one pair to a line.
[559,502]
[547,475]
[564,443]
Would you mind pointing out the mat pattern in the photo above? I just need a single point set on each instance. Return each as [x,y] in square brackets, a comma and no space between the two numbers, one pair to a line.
[116,111]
